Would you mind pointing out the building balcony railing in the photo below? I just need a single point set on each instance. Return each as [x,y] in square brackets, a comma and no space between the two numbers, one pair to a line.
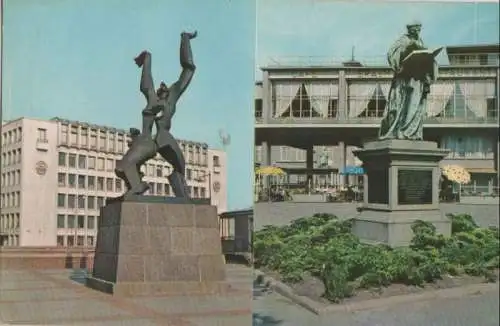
[367,120]
[373,61]
[379,60]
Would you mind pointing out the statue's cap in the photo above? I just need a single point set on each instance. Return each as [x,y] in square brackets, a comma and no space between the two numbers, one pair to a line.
[414,23]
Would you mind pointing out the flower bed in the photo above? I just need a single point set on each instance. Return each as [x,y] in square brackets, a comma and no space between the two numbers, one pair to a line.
[321,251]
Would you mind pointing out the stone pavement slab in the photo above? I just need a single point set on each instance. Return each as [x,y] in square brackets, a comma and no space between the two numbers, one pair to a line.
[132,322]
[223,321]
[194,305]
[61,310]
[59,297]
[37,294]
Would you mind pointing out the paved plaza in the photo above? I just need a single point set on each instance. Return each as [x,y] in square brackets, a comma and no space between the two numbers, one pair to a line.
[479,308]
[59,297]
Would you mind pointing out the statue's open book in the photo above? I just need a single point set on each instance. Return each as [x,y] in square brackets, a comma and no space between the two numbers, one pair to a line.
[420,62]
[421,55]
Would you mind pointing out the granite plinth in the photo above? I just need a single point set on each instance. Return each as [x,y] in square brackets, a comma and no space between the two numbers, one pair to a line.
[154,248]
[401,185]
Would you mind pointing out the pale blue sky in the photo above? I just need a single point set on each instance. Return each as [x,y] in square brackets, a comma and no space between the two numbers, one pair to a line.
[327,28]
[74,59]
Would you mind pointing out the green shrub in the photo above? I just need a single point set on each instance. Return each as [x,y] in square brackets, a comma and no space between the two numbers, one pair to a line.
[323,246]
[462,223]
[336,281]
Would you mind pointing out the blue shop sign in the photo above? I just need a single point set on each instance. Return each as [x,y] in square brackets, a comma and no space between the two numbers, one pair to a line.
[353,170]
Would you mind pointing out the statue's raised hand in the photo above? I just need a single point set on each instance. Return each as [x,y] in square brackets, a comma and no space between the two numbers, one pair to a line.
[190,35]
[139,60]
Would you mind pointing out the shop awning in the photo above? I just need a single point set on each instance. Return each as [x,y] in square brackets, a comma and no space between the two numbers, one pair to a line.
[353,170]
[301,170]
[481,170]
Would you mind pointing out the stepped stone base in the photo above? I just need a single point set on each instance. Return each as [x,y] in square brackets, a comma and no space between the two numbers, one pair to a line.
[394,228]
[401,185]
[152,247]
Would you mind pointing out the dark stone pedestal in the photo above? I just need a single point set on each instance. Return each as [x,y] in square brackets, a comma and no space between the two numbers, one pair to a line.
[401,186]
[150,246]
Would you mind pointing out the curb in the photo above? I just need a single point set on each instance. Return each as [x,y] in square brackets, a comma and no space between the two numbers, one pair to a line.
[322,309]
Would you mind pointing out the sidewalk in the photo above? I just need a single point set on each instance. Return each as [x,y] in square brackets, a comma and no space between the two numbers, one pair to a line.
[58,297]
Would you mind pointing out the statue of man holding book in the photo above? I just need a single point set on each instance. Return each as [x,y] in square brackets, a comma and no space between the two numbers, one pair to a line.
[415,69]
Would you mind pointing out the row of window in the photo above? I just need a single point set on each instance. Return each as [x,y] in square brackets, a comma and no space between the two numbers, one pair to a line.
[89,182]
[81,201]
[326,89]
[86,162]
[374,108]
[12,136]
[473,147]
[81,241]
[13,199]
[476,147]
[76,222]
[368,99]
[11,178]
[10,240]
[11,157]
[100,139]
[9,222]
[10,199]
[160,189]
[75,136]
[113,142]
[478,59]
[367,107]
[292,154]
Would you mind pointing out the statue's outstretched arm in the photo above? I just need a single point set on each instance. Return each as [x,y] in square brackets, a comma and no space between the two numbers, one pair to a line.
[147,86]
[187,64]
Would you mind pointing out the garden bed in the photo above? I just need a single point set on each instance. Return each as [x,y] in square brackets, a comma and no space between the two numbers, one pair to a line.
[319,258]
[313,288]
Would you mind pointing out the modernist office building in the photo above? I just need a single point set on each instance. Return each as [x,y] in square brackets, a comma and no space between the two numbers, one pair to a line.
[56,174]
[309,118]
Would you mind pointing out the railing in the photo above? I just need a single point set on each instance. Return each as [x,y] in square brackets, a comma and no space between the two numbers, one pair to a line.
[381,60]
[377,120]
[472,59]
[327,194]
[479,191]
[374,61]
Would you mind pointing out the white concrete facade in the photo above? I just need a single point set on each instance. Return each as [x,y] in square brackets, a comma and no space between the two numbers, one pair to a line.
[56,174]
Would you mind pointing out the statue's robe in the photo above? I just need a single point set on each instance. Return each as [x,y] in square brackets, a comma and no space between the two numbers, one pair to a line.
[406,103]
